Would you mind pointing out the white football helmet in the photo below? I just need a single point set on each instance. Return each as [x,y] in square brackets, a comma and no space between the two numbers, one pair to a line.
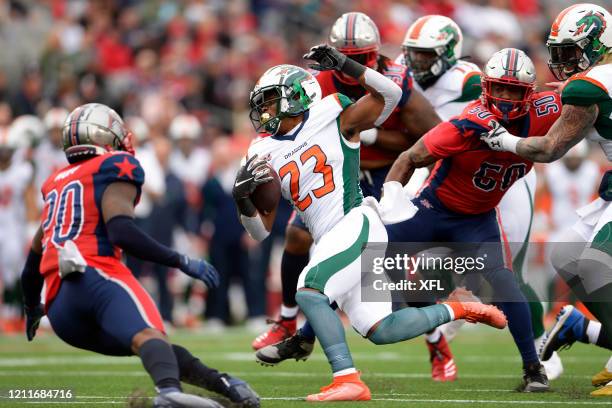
[432,45]
[578,39]
[26,131]
[511,68]
[55,118]
[354,34]
[185,127]
[91,130]
[291,88]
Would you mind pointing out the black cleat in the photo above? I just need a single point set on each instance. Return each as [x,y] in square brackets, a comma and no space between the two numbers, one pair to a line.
[239,392]
[181,400]
[534,378]
[296,347]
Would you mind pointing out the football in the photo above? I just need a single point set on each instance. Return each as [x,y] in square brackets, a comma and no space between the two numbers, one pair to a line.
[266,196]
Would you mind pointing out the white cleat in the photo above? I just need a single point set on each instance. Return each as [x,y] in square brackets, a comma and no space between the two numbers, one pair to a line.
[182,400]
[553,366]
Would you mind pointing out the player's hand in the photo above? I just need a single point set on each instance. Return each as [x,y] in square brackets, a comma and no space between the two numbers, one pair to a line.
[33,316]
[201,270]
[128,143]
[327,57]
[494,138]
[254,172]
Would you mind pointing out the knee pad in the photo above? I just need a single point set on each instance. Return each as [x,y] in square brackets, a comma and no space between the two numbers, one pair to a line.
[297,241]
[305,298]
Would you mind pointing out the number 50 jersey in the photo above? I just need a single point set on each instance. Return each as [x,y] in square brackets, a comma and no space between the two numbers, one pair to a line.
[470,178]
[73,212]
[318,167]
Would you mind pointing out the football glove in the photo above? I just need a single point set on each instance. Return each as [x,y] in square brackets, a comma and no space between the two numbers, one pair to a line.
[327,58]
[201,270]
[498,138]
[33,316]
[254,172]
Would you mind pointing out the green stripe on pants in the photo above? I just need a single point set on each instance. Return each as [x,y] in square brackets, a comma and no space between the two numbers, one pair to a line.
[318,275]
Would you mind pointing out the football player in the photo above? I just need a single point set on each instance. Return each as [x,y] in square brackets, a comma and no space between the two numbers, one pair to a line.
[580,47]
[92,299]
[432,49]
[313,146]
[356,36]
[461,195]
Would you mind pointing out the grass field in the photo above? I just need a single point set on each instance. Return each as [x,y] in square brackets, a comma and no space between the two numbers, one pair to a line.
[398,375]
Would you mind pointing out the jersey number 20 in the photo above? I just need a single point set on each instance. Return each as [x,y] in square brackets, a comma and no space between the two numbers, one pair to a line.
[66,208]
[293,170]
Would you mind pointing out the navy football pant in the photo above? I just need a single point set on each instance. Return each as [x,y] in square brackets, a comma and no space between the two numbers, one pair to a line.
[97,312]
[435,223]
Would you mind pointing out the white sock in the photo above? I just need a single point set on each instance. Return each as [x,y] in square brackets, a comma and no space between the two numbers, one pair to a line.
[592,331]
[434,337]
[346,371]
[289,312]
[450,311]
[609,365]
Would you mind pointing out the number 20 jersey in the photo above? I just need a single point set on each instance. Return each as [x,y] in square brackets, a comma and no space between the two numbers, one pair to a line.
[73,212]
[470,178]
[318,167]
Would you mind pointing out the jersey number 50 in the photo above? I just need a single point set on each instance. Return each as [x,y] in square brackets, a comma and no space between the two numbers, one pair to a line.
[66,209]
[293,170]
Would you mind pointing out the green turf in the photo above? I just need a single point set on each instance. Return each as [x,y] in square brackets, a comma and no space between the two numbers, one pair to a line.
[398,375]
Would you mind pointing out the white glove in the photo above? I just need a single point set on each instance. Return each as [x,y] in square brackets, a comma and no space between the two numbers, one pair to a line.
[368,137]
[499,139]
[394,206]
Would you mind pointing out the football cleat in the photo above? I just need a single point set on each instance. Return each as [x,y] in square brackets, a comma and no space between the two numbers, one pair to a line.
[467,306]
[443,366]
[534,379]
[239,392]
[343,388]
[601,378]
[179,399]
[605,391]
[553,366]
[296,347]
[569,327]
[281,329]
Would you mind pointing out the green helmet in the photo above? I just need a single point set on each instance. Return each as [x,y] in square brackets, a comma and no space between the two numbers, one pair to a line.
[292,88]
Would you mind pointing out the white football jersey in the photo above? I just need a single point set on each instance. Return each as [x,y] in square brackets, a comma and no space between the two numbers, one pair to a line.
[318,167]
[454,90]
[570,190]
[13,183]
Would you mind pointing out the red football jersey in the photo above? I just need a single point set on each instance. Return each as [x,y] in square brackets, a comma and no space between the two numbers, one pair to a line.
[73,212]
[471,178]
[398,74]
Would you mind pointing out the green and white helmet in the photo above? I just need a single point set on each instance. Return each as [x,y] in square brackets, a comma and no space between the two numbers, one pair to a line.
[438,36]
[292,88]
[579,38]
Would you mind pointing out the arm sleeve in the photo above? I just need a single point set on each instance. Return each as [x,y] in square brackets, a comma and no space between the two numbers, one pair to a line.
[31,280]
[445,140]
[124,233]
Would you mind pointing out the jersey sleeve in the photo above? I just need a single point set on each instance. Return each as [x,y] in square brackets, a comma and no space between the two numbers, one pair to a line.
[446,140]
[471,88]
[343,100]
[407,85]
[584,91]
[119,167]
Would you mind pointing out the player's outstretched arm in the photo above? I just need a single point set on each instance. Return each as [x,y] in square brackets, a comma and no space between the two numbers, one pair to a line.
[569,129]
[370,110]
[32,283]
[415,157]
[254,172]
[118,213]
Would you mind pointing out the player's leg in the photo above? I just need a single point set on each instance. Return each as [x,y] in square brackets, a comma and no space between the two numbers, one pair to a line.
[295,258]
[334,269]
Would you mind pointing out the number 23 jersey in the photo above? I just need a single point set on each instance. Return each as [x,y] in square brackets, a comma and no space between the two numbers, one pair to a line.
[73,212]
[318,167]
[470,178]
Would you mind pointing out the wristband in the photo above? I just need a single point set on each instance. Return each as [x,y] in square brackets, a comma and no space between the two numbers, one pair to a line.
[255,227]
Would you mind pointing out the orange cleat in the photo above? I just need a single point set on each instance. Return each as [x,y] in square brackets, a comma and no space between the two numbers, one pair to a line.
[443,366]
[347,387]
[281,329]
[467,306]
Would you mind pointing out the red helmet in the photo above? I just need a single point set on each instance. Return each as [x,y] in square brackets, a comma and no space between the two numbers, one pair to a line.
[356,36]
[511,68]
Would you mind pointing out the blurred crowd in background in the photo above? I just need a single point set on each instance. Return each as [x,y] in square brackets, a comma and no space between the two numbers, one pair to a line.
[180,73]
